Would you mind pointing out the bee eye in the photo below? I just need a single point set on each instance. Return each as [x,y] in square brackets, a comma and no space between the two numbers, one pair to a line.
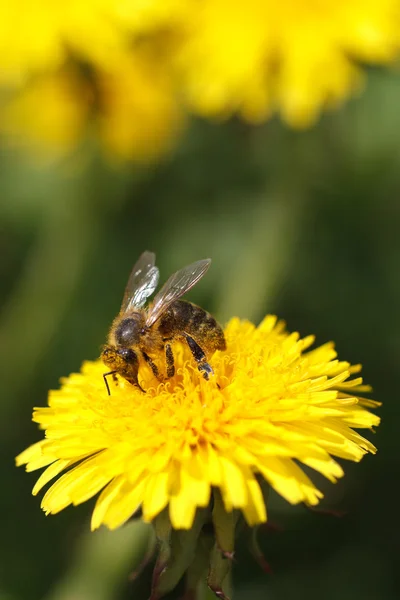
[130,355]
[127,354]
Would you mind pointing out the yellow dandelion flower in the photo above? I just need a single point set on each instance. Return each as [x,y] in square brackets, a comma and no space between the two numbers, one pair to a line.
[272,406]
[140,117]
[40,36]
[295,57]
[131,109]
[67,100]
[128,101]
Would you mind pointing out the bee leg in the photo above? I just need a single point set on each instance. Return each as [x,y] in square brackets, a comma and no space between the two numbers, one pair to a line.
[135,382]
[151,364]
[199,356]
[169,357]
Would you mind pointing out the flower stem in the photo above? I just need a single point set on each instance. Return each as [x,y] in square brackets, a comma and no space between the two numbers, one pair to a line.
[259,271]
[102,563]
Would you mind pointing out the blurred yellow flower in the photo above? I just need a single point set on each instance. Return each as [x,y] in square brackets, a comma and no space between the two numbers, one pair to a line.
[49,113]
[295,57]
[218,57]
[42,35]
[130,108]
[271,405]
[139,116]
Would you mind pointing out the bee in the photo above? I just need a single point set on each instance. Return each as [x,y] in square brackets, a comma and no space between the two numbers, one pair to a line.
[138,333]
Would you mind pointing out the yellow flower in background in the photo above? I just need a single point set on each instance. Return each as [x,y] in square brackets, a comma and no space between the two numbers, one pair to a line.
[69,72]
[272,406]
[295,57]
[130,108]
[139,116]
[42,35]
[50,113]
[217,57]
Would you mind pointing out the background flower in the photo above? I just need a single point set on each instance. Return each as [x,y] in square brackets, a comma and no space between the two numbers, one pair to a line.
[220,58]
[293,57]
[67,100]
[82,65]
[42,36]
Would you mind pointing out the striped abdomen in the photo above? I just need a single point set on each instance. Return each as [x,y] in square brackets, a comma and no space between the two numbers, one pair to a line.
[185,317]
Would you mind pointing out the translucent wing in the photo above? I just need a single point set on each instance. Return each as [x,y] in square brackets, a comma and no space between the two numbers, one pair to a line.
[141,283]
[178,284]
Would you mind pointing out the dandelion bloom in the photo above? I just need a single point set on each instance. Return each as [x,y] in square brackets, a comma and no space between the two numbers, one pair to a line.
[294,57]
[41,36]
[272,406]
[66,99]
[214,58]
[75,70]
[130,108]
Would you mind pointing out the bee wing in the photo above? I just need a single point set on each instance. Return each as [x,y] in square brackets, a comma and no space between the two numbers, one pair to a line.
[142,282]
[177,285]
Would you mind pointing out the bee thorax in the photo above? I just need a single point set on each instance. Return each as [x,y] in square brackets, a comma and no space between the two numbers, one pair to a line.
[128,331]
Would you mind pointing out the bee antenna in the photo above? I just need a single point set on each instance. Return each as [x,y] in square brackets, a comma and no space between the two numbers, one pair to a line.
[105,375]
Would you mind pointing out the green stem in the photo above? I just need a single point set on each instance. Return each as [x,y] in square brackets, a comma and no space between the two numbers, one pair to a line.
[269,248]
[204,592]
[102,563]
[44,290]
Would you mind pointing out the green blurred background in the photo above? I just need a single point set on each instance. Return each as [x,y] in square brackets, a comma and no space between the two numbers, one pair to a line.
[304,225]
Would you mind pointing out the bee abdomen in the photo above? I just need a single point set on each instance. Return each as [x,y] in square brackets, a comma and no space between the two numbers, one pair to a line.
[201,320]
[198,323]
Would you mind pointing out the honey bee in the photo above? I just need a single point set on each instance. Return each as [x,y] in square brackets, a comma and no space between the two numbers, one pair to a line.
[139,333]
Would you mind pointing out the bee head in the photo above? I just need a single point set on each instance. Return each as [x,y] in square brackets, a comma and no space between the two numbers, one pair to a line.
[121,361]
[118,359]
[129,331]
